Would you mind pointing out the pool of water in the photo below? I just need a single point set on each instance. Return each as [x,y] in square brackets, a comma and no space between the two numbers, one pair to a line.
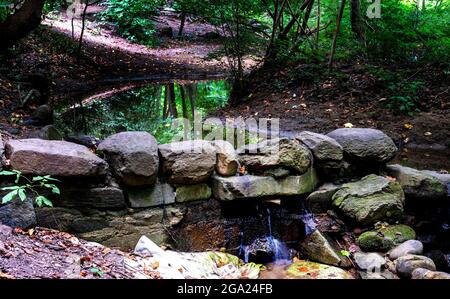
[150,107]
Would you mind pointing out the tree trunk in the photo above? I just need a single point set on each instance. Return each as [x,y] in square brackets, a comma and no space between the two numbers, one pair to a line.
[21,23]
[171,100]
[356,19]
[336,32]
[183,102]
[182,22]
[191,95]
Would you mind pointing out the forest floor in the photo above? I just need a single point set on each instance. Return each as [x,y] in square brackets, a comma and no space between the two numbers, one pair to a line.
[46,253]
[352,94]
[314,100]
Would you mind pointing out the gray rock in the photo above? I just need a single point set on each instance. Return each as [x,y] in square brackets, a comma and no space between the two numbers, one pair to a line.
[372,262]
[408,247]
[319,201]
[275,153]
[100,197]
[18,214]
[365,144]
[277,173]
[323,147]
[421,273]
[48,132]
[56,158]
[153,196]
[187,162]
[133,157]
[318,247]
[443,177]
[406,264]
[373,198]
[417,184]
[385,274]
[251,186]
[186,193]
[43,115]
[227,163]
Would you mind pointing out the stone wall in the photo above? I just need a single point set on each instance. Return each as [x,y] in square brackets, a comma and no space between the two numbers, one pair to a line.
[201,195]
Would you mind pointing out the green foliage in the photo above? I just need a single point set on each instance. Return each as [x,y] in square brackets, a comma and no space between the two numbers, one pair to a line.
[132,18]
[29,187]
[404,93]
[5,9]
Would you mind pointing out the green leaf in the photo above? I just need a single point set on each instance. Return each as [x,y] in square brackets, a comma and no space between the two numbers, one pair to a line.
[10,188]
[5,172]
[345,253]
[10,196]
[54,188]
[97,272]
[38,178]
[42,200]
[22,194]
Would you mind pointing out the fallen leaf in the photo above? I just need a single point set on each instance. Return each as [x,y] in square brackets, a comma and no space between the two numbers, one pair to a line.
[348,125]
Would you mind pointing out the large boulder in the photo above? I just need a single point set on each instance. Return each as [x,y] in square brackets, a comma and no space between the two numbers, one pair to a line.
[417,184]
[318,247]
[422,273]
[187,162]
[312,270]
[56,158]
[160,194]
[319,201]
[275,153]
[133,157]
[405,265]
[251,186]
[373,198]
[365,144]
[385,238]
[98,197]
[18,213]
[48,132]
[323,147]
[407,247]
[186,193]
[227,163]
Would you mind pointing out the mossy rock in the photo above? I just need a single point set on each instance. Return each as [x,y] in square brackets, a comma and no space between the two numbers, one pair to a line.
[372,199]
[311,270]
[386,238]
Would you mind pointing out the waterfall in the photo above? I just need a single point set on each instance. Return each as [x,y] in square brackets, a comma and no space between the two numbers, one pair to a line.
[307,218]
[280,250]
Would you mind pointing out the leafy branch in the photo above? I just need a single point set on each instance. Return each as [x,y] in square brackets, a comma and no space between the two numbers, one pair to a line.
[30,186]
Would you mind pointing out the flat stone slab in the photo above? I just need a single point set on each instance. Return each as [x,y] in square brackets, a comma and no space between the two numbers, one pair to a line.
[56,158]
[251,186]
[160,194]
[101,197]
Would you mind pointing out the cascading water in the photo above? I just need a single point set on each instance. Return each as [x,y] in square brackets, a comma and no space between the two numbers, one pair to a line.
[307,217]
[267,249]
[280,250]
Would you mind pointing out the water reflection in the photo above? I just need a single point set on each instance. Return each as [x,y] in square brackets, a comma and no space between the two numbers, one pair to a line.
[148,108]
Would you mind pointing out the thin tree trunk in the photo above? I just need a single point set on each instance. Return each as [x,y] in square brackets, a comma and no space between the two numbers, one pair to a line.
[318,23]
[166,92]
[183,102]
[83,22]
[182,22]
[191,96]
[171,100]
[336,32]
[356,19]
